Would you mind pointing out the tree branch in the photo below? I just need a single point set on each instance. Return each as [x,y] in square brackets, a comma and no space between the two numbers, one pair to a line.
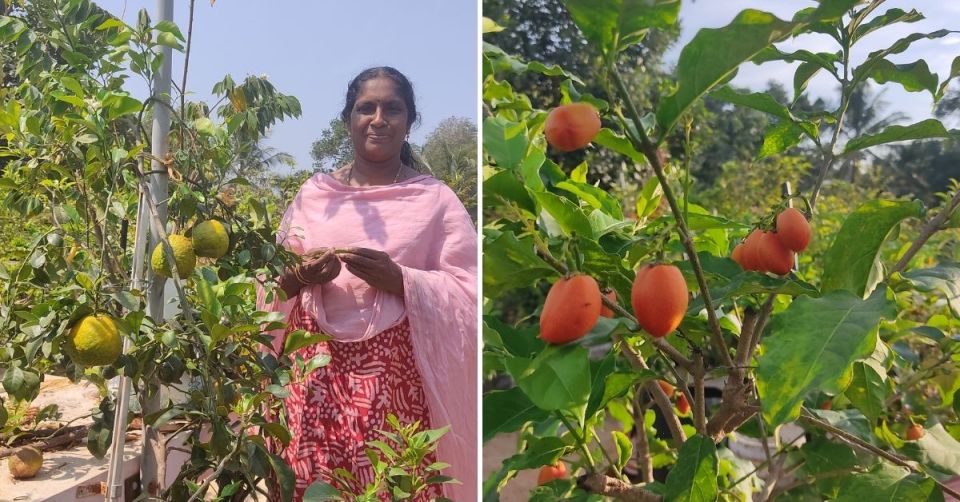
[699,406]
[930,228]
[659,396]
[854,441]
[612,487]
[649,150]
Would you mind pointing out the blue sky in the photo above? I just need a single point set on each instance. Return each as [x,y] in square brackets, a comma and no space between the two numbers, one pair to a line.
[312,49]
[939,53]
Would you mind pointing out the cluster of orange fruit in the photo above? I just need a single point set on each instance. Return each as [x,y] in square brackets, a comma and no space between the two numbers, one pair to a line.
[766,251]
[574,304]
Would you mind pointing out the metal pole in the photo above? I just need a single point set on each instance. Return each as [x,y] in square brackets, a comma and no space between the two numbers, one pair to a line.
[115,472]
[153,460]
[152,467]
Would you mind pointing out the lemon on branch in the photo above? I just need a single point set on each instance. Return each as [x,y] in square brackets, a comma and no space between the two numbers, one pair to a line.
[210,239]
[94,341]
[183,254]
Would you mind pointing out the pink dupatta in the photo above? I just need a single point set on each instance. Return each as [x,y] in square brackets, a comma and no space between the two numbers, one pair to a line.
[425,229]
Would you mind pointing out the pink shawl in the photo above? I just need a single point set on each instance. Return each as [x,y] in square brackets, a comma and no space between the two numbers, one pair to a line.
[425,229]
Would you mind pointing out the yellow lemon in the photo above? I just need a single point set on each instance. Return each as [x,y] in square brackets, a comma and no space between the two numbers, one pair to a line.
[94,341]
[210,239]
[25,462]
[182,252]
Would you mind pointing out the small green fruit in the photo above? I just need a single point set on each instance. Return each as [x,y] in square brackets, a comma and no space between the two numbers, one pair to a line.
[210,239]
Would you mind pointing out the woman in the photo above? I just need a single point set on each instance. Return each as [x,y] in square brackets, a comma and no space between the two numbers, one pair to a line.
[391,276]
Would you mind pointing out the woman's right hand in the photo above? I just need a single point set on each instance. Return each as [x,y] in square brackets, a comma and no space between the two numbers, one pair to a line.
[320,268]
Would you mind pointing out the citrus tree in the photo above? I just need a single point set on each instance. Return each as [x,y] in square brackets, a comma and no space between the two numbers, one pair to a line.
[666,331]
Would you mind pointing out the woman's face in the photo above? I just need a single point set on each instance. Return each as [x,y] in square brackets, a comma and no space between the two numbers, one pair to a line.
[378,122]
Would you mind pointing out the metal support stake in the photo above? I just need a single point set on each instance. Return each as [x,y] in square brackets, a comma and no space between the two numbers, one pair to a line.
[153,461]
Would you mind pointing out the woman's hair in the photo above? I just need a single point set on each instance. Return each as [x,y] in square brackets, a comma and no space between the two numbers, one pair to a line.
[404,88]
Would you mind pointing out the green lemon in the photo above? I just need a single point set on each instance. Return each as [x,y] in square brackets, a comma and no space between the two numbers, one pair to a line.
[210,239]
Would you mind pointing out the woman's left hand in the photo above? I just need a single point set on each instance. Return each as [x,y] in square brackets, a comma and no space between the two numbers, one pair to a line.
[374,267]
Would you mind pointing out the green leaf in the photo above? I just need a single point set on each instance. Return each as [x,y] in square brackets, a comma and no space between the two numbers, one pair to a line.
[954,72]
[812,346]
[490,26]
[167,26]
[111,23]
[620,144]
[540,452]
[162,417]
[694,477]
[944,278]
[617,384]
[887,18]
[557,379]
[801,77]
[714,54]
[888,483]
[850,420]
[72,85]
[98,439]
[299,339]
[285,477]
[593,196]
[320,491]
[568,216]
[123,105]
[315,363]
[914,77]
[23,385]
[504,188]
[649,198]
[823,60]
[508,411]
[169,40]
[505,141]
[522,342]
[850,260]
[937,449]
[599,371]
[726,279]
[757,100]
[624,449]
[510,263]
[614,25]
[868,390]
[823,455]
[208,299]
[779,138]
[69,98]
[127,300]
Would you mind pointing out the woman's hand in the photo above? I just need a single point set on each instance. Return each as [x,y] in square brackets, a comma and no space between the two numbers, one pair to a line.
[373,267]
[319,268]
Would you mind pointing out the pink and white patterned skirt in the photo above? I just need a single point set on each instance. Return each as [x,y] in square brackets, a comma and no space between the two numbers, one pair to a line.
[339,407]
